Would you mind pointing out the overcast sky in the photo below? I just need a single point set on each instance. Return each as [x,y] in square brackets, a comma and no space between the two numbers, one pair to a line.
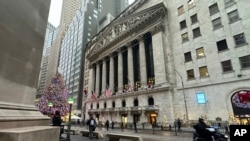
[55,11]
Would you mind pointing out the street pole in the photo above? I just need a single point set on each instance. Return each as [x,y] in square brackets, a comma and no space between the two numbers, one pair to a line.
[70,101]
[69,124]
[184,95]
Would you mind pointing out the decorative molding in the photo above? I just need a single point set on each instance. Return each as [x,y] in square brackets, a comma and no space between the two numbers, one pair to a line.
[126,27]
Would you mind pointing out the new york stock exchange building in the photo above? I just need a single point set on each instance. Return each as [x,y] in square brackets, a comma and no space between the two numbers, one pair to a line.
[144,68]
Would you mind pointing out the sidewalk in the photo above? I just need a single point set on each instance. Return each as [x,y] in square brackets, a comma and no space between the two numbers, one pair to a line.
[147,135]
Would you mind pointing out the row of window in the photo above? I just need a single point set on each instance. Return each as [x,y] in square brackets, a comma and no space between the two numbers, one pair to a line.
[239,40]
[226,67]
[213,9]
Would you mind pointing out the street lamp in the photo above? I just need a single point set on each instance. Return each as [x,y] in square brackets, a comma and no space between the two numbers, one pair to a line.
[184,95]
[50,104]
[70,101]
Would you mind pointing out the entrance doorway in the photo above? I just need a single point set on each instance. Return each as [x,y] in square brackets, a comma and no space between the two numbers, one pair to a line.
[124,120]
[241,107]
[153,118]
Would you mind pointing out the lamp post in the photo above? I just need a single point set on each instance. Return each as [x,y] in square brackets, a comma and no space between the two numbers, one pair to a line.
[70,101]
[184,95]
[50,104]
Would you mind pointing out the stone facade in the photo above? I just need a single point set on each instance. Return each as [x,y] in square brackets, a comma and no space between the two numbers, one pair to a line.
[22,32]
[175,90]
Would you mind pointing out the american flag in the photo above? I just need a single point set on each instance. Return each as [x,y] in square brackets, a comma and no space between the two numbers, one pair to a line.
[131,87]
[107,91]
[93,96]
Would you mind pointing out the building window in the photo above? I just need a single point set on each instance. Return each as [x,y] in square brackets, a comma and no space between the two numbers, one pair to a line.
[217,23]
[213,9]
[233,16]
[105,105]
[188,56]
[113,104]
[194,19]
[226,66]
[203,71]
[184,37]
[183,24]
[191,4]
[229,2]
[222,45]
[239,39]
[123,103]
[190,74]
[200,52]
[151,101]
[245,61]
[196,32]
[180,10]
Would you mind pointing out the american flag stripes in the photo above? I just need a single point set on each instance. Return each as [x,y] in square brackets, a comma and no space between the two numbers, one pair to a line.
[93,96]
[107,91]
[131,87]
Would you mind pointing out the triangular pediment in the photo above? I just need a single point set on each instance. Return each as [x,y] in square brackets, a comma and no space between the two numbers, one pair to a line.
[122,26]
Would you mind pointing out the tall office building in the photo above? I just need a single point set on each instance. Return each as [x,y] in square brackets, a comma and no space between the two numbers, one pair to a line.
[69,8]
[165,60]
[49,38]
[82,28]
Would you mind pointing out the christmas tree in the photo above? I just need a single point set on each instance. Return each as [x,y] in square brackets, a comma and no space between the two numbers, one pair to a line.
[55,93]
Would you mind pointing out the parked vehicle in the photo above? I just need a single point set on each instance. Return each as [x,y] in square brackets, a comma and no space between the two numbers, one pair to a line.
[215,136]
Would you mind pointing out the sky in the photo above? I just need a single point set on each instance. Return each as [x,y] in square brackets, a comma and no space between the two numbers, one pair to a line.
[55,11]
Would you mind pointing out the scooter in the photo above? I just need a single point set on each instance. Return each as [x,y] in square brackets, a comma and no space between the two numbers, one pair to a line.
[215,136]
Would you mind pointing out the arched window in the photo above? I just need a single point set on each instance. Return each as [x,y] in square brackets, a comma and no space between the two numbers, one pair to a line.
[151,101]
[105,105]
[97,106]
[91,106]
[136,102]
[113,104]
[123,103]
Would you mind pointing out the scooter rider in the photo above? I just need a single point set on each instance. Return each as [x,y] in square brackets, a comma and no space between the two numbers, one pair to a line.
[202,131]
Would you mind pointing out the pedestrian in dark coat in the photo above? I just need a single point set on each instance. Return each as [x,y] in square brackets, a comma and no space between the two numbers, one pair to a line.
[57,120]
[107,125]
[179,124]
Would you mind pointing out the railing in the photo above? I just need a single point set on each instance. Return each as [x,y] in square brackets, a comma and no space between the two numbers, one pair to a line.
[126,109]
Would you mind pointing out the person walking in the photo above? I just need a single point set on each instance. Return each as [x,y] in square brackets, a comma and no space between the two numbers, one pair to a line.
[112,124]
[179,124]
[57,121]
[107,125]
[91,123]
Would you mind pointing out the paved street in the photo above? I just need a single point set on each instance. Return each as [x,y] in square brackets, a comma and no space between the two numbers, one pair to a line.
[147,135]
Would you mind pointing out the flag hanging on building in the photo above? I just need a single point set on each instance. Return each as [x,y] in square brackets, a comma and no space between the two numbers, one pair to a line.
[107,91]
[93,96]
[131,87]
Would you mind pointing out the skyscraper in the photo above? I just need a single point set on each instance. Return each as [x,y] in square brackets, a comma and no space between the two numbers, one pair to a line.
[49,38]
[69,8]
[82,28]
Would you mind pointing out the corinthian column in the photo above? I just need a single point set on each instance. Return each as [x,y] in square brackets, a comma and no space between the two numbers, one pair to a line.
[130,65]
[103,77]
[111,74]
[97,82]
[158,53]
[120,73]
[143,73]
